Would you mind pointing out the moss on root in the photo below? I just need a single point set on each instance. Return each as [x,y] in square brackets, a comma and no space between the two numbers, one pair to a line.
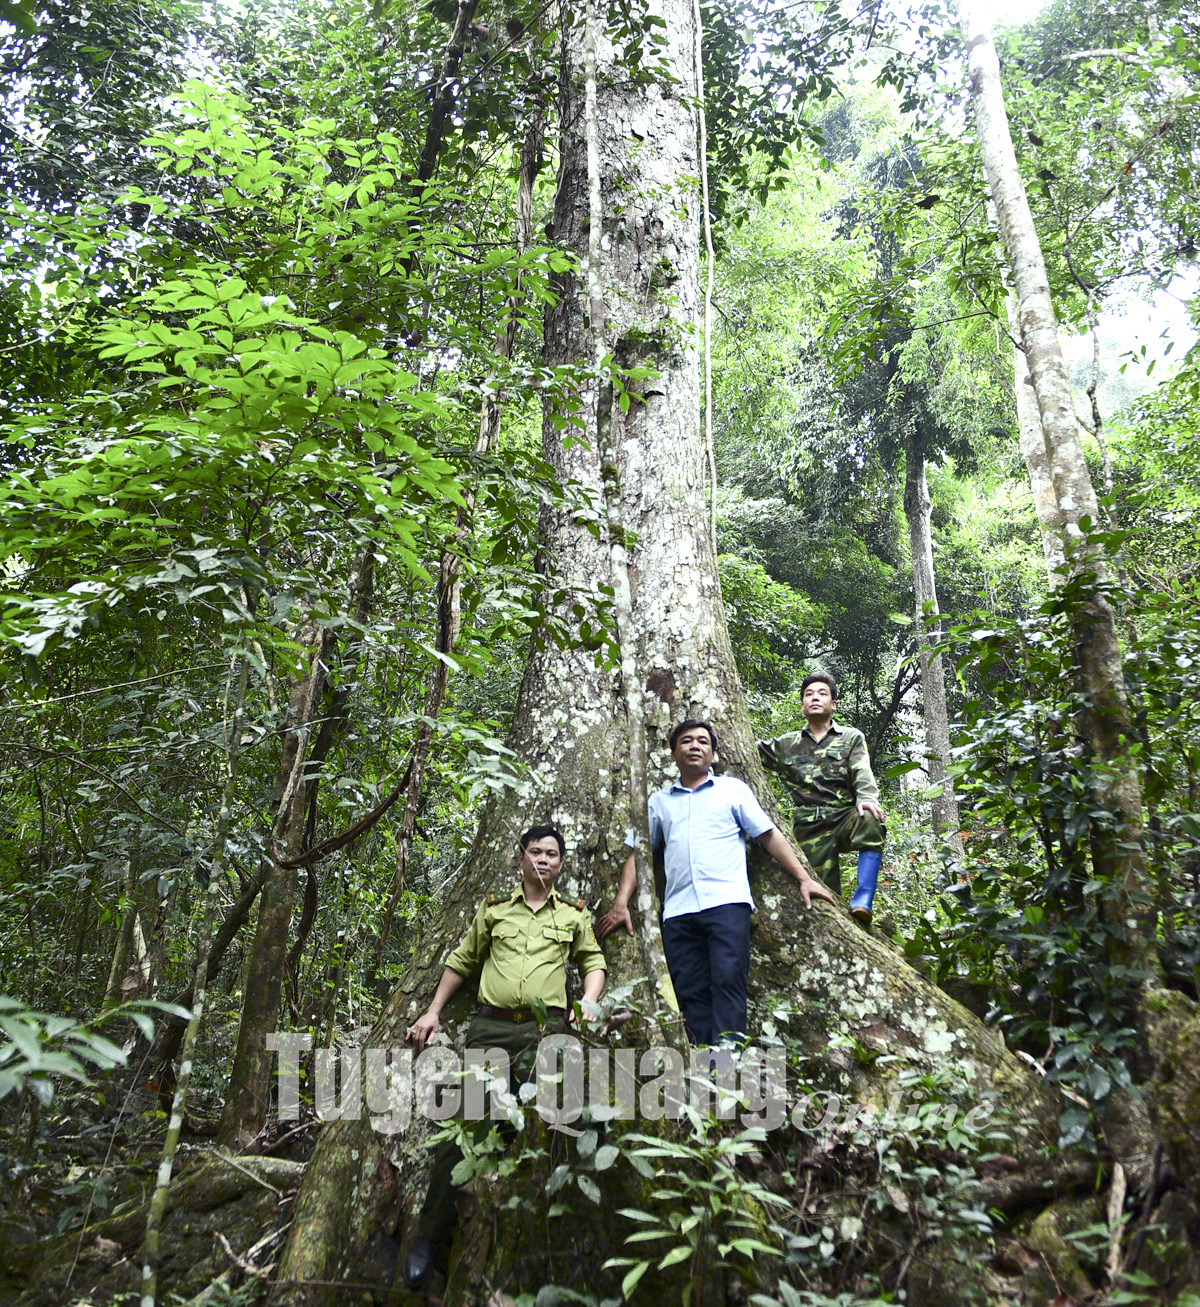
[1173,1093]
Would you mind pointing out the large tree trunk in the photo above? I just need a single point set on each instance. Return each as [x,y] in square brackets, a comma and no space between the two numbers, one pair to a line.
[917,508]
[362,1187]
[1116,849]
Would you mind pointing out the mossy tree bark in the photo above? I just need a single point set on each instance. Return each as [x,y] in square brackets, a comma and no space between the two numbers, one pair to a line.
[363,1187]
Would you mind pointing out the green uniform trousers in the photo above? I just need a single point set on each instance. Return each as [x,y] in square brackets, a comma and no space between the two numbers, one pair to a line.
[519,1039]
[831,831]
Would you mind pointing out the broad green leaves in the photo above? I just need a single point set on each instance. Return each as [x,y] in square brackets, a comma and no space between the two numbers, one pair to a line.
[236,408]
[35,1047]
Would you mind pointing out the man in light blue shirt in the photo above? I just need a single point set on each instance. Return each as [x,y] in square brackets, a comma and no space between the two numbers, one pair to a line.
[701,824]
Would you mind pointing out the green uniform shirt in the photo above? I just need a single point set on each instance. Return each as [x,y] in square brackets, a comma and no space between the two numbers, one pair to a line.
[834,772]
[523,954]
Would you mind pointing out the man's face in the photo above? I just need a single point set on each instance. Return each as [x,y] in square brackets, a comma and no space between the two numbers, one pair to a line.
[693,749]
[818,700]
[542,858]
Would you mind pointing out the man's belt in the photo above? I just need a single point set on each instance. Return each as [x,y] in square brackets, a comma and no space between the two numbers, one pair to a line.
[517,1014]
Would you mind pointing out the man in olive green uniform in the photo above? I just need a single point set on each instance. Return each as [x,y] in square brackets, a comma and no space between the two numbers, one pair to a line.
[828,772]
[520,943]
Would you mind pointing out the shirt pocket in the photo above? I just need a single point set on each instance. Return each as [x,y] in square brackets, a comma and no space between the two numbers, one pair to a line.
[506,939]
[560,935]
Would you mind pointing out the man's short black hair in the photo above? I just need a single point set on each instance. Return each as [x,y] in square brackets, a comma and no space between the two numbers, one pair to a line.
[690,725]
[819,676]
[541,833]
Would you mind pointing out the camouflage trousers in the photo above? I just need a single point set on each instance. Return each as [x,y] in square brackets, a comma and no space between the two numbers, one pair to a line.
[824,833]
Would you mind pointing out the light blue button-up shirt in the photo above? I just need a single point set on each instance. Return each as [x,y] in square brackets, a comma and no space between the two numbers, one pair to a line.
[703,833]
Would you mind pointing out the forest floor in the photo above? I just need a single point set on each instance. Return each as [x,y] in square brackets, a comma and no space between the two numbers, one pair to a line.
[76,1178]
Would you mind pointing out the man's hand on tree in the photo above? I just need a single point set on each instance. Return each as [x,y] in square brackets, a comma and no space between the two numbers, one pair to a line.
[873,808]
[617,915]
[423,1030]
[812,889]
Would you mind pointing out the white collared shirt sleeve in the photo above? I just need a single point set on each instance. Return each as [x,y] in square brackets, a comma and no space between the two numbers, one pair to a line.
[748,812]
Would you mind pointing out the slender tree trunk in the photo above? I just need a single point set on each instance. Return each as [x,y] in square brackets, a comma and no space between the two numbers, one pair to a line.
[305,749]
[1033,450]
[123,951]
[572,722]
[248,1096]
[216,872]
[1116,851]
[449,616]
[169,1029]
[443,100]
[917,506]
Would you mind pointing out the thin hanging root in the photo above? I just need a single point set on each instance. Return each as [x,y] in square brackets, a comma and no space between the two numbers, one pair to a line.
[709,448]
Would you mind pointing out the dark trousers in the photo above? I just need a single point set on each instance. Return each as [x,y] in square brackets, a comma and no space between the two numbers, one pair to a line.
[519,1039]
[708,955]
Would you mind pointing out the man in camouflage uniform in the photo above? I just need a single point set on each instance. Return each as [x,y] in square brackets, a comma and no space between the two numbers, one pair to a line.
[828,773]
[520,942]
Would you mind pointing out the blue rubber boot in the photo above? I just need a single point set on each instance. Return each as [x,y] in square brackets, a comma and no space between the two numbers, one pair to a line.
[868,877]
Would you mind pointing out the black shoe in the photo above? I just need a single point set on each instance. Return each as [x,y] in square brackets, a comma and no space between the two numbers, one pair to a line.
[418,1261]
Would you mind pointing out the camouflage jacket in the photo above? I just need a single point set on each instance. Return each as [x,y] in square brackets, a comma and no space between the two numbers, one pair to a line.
[832,773]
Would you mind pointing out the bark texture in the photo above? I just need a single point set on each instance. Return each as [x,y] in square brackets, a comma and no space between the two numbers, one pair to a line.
[1033,450]
[572,727]
[123,951]
[249,1092]
[653,953]
[1116,851]
[917,508]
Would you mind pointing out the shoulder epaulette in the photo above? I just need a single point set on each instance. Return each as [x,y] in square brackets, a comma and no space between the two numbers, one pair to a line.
[493,899]
[579,904]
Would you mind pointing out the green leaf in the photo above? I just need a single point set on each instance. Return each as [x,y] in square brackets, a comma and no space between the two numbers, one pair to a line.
[606,1156]
[24,1035]
[751,1246]
[629,1283]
